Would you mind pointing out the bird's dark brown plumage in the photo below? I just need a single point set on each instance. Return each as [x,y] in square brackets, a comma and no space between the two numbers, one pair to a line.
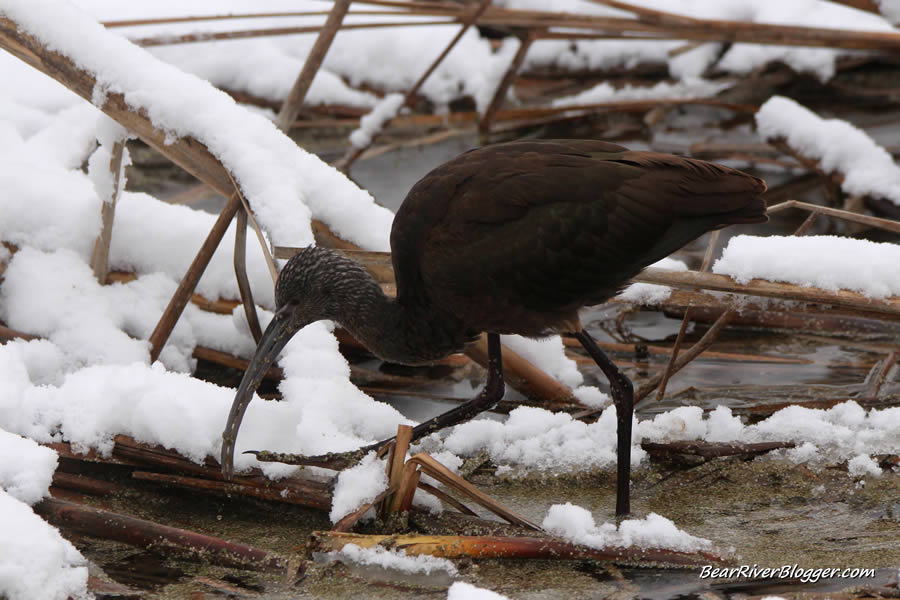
[515,238]
[511,238]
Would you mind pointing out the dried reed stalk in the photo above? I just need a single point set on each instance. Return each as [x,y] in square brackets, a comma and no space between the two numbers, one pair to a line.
[188,38]
[711,449]
[290,108]
[100,257]
[356,152]
[461,546]
[187,152]
[877,222]
[396,458]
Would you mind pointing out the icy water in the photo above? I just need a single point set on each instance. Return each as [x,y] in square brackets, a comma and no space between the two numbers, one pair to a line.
[764,512]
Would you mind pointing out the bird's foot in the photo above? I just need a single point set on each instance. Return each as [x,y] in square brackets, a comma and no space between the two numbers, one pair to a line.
[336,461]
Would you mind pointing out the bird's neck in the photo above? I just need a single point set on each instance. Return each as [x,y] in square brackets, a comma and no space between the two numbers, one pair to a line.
[404,333]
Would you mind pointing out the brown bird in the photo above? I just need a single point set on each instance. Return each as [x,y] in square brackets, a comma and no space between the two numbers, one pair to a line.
[509,238]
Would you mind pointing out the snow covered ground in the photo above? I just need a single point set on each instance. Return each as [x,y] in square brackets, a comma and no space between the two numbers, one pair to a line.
[90,377]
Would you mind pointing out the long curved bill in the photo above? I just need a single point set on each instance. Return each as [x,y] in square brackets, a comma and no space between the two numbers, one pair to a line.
[274,338]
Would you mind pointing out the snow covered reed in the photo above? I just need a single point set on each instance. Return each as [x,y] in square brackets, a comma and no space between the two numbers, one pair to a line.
[867,168]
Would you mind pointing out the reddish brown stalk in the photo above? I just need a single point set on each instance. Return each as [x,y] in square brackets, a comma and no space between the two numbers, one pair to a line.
[276,491]
[109,525]
[460,546]
[84,484]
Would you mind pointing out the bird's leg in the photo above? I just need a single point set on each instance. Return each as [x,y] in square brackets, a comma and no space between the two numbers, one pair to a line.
[622,392]
[486,399]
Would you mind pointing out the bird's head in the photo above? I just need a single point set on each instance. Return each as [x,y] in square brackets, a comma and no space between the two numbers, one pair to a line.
[311,287]
[315,284]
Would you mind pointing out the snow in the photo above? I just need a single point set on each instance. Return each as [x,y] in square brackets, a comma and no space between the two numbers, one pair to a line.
[536,441]
[533,439]
[868,168]
[26,469]
[460,590]
[284,184]
[549,353]
[35,560]
[396,560]
[689,87]
[827,262]
[739,58]
[90,379]
[862,465]
[650,294]
[577,525]
[357,486]
[371,124]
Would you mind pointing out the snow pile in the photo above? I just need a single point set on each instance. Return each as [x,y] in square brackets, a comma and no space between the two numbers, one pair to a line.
[823,436]
[868,169]
[549,354]
[357,486]
[650,294]
[538,440]
[461,590]
[372,124]
[396,560]
[823,261]
[26,469]
[284,185]
[35,560]
[577,525]
[534,440]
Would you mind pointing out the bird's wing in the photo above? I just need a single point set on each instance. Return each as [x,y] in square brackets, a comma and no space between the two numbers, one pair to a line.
[557,224]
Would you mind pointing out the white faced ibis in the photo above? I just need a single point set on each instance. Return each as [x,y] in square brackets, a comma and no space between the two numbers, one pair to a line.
[509,238]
